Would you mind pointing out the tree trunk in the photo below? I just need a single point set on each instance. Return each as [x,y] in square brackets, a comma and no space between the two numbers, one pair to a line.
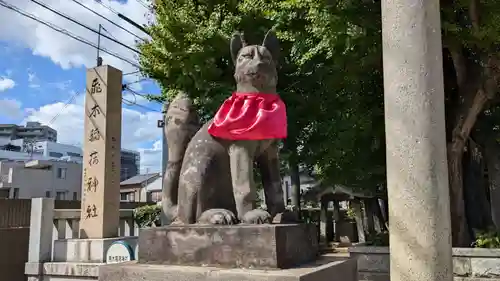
[492,157]
[474,92]
[379,217]
[460,236]
[295,179]
[477,206]
[369,211]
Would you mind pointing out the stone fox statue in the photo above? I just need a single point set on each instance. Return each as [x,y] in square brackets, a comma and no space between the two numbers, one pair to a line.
[209,177]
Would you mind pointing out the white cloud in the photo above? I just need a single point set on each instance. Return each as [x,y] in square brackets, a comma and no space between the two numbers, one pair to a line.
[137,128]
[6,83]
[33,80]
[10,108]
[19,31]
[64,50]
[151,158]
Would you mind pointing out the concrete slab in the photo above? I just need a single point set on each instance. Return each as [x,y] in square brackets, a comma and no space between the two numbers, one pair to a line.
[324,269]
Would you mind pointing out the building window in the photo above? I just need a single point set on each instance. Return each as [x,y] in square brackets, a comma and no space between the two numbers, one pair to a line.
[60,195]
[16,193]
[127,196]
[47,194]
[61,173]
[55,154]
[131,197]
[74,154]
[75,195]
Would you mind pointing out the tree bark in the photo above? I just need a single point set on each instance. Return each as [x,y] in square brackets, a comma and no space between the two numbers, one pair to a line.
[492,157]
[477,206]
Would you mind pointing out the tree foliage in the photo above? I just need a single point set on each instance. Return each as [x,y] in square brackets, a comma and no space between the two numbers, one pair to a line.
[329,75]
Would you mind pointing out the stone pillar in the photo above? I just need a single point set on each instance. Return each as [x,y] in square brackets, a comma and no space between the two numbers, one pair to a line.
[355,204]
[101,161]
[41,230]
[417,177]
[323,220]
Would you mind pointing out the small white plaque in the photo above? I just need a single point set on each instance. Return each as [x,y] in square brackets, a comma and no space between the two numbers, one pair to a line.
[119,251]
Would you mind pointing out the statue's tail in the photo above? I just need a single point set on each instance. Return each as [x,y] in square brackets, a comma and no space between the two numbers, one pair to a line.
[181,125]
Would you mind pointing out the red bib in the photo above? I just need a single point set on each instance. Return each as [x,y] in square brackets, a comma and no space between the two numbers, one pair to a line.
[250,116]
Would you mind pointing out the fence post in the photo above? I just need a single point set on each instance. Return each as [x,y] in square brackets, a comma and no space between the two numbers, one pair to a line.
[41,228]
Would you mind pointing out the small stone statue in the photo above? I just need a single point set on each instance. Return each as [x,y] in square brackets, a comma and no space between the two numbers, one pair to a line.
[209,177]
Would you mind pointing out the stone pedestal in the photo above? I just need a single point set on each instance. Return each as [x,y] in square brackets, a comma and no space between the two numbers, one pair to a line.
[323,269]
[249,246]
[281,252]
[86,250]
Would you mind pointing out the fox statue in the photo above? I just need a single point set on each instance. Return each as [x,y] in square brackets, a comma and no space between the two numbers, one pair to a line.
[209,178]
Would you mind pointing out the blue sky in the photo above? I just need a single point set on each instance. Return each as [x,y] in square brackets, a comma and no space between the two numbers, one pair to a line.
[42,72]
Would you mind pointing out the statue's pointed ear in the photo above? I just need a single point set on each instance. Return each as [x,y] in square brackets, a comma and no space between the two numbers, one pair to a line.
[272,44]
[237,43]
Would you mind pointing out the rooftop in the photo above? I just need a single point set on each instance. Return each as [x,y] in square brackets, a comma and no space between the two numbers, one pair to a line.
[140,179]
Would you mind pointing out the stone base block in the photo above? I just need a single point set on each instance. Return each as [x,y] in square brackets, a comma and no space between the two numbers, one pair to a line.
[324,269]
[86,250]
[268,246]
[62,271]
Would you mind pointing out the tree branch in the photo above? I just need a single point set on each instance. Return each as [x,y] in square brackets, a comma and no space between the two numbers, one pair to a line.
[474,15]
[460,65]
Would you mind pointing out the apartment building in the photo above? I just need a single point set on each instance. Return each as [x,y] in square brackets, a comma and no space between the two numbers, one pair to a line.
[33,131]
[41,178]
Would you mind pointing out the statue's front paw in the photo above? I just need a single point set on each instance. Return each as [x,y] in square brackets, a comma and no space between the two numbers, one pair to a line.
[257,216]
[217,216]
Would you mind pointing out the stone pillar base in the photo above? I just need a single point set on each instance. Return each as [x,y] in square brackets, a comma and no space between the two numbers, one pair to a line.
[324,269]
[87,250]
[61,271]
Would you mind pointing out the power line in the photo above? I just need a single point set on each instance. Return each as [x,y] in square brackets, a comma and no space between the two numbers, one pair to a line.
[137,81]
[110,34]
[66,104]
[83,25]
[123,17]
[130,103]
[107,7]
[65,32]
[133,72]
[105,18]
[126,88]
[142,3]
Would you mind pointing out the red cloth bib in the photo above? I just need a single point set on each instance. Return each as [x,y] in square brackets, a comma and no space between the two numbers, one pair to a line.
[250,116]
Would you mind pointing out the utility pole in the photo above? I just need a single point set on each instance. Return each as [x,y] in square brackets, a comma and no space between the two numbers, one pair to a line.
[99,59]
[163,124]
